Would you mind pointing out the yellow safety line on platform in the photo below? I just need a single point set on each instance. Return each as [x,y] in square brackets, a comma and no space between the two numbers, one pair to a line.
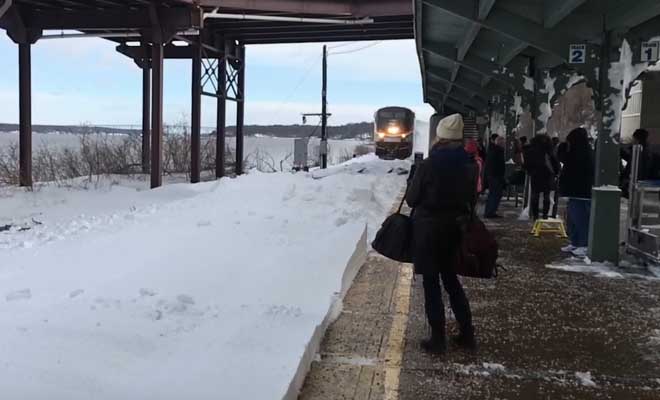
[396,341]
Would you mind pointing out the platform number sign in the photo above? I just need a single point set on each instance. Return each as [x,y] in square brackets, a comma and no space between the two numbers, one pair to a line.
[650,51]
[578,54]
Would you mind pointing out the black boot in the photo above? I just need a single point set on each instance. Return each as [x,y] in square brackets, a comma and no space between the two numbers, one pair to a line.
[437,343]
[466,339]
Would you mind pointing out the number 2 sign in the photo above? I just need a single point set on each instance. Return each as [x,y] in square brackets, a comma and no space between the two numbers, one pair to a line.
[578,54]
[650,51]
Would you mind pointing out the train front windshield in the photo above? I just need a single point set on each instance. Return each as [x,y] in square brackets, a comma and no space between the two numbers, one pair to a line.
[394,122]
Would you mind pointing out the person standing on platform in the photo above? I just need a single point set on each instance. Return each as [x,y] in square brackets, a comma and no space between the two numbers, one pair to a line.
[443,191]
[575,182]
[542,168]
[495,171]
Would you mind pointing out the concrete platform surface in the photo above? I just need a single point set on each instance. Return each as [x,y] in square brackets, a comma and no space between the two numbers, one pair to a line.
[543,333]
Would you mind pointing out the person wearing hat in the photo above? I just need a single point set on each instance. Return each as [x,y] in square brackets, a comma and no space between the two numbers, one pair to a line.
[442,191]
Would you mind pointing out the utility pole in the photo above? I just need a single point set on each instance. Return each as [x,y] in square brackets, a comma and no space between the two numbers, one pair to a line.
[324,112]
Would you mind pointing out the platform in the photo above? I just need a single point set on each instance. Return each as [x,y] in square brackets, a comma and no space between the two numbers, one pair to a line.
[543,333]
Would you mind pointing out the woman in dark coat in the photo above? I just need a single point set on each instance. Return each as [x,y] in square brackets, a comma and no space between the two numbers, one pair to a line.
[443,190]
[575,182]
[542,167]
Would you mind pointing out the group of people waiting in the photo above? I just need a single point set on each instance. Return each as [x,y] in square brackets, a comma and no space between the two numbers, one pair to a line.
[446,185]
[551,165]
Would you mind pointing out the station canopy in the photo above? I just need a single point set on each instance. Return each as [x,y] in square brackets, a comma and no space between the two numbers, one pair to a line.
[464,46]
[296,21]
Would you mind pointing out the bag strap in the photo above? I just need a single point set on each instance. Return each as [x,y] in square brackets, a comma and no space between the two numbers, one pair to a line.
[398,211]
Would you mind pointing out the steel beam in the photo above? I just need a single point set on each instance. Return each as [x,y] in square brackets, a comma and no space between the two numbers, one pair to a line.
[339,8]
[157,116]
[4,7]
[481,66]
[511,25]
[176,18]
[473,88]
[554,11]
[484,8]
[466,101]
[221,116]
[196,113]
[466,43]
[338,37]
[240,111]
[146,108]
[631,14]
[25,113]
[456,106]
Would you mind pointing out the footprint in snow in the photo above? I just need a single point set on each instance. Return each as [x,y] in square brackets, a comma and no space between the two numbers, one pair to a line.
[76,293]
[201,224]
[185,299]
[341,221]
[24,294]
[144,292]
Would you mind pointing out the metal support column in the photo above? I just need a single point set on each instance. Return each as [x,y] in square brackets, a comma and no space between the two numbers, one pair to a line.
[240,110]
[196,111]
[606,197]
[221,116]
[157,116]
[324,111]
[25,113]
[146,108]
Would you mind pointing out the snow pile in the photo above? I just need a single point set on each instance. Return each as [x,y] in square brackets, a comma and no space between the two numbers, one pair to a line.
[494,367]
[622,74]
[585,379]
[625,270]
[421,141]
[545,108]
[189,291]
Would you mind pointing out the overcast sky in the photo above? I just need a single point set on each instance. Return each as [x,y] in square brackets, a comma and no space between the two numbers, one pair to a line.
[86,80]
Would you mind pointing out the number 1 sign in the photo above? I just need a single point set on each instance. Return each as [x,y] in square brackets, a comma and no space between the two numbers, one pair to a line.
[578,54]
[650,51]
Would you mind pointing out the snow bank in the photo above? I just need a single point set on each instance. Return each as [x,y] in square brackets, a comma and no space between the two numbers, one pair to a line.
[626,269]
[585,379]
[421,141]
[190,291]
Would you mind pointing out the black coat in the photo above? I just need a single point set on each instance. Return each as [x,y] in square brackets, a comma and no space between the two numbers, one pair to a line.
[577,175]
[542,167]
[442,190]
[495,161]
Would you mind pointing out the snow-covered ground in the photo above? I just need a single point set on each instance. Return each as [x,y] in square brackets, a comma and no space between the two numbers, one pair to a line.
[627,268]
[276,147]
[189,291]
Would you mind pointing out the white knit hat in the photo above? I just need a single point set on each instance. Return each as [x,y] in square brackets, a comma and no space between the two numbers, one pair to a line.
[450,128]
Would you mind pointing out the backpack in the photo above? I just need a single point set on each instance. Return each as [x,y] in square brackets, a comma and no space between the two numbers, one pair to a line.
[478,251]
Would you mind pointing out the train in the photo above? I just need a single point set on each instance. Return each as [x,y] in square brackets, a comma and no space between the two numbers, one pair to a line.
[394,131]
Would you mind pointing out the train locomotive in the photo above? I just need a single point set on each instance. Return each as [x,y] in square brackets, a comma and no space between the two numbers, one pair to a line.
[394,128]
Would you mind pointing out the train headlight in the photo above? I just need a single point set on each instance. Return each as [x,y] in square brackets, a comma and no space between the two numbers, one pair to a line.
[381,135]
[403,136]
[393,130]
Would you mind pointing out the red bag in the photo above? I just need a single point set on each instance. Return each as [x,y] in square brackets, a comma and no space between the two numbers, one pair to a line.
[477,254]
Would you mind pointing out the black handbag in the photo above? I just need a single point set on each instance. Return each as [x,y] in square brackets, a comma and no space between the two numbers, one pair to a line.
[394,238]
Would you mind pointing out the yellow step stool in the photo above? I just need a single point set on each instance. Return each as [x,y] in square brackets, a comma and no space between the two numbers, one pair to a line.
[553,225]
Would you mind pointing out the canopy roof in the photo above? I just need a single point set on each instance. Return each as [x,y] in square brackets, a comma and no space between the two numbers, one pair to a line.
[465,46]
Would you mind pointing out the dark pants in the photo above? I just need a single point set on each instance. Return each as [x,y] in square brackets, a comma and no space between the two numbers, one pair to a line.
[435,309]
[495,189]
[579,213]
[534,206]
